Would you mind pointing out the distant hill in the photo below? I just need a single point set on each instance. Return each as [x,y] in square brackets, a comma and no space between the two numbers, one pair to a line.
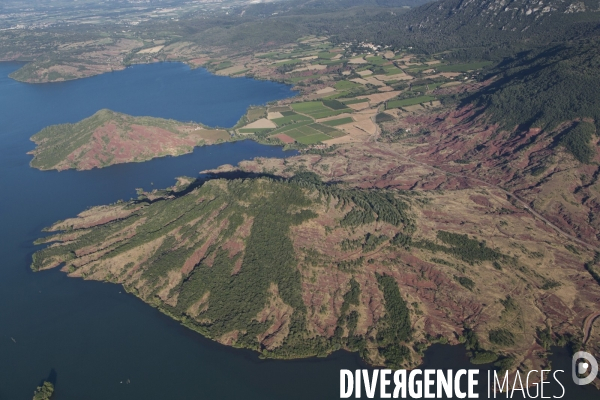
[544,88]
[311,6]
[502,15]
[280,22]
[472,29]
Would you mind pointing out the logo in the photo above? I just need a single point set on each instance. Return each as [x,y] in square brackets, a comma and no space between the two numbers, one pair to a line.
[463,383]
[584,363]
[443,384]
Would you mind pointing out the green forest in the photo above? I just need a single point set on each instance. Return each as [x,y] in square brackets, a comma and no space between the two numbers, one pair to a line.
[543,88]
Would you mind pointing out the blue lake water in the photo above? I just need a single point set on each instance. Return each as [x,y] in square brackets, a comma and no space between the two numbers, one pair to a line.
[92,337]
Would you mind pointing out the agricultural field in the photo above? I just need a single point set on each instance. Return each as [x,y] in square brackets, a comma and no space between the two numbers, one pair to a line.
[336,122]
[330,79]
[329,96]
[256,113]
[290,117]
[376,60]
[296,79]
[408,102]
[308,132]
[334,105]
[297,122]
[392,70]
[308,107]
[318,109]
[326,55]
[347,85]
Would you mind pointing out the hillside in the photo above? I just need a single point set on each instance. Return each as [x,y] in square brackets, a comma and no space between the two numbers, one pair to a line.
[501,15]
[543,88]
[463,30]
[476,29]
[108,138]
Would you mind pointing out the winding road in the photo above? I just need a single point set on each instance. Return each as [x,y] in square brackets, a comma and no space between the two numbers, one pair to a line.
[588,325]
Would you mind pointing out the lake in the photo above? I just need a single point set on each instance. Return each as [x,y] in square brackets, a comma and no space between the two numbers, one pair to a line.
[93,339]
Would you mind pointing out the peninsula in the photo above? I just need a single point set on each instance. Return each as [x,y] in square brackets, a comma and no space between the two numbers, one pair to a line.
[108,138]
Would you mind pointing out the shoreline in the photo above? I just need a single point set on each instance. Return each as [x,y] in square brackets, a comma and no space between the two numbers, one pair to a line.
[188,63]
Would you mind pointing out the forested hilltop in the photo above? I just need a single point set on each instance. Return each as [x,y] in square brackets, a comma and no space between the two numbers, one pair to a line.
[543,88]
[487,28]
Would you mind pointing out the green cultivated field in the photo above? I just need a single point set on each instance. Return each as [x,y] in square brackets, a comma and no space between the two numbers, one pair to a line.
[285,129]
[436,85]
[310,139]
[345,85]
[334,104]
[273,55]
[309,107]
[420,88]
[326,55]
[327,130]
[290,117]
[408,102]
[288,62]
[376,60]
[336,122]
[307,132]
[329,113]
[392,70]
[355,101]
[223,65]
[317,109]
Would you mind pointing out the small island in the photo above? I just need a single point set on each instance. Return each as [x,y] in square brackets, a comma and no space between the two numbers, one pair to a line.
[44,392]
[108,138]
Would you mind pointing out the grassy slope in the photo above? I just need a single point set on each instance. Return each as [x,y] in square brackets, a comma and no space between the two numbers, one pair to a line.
[56,142]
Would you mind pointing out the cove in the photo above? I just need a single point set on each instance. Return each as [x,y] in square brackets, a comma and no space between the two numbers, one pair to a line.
[96,341]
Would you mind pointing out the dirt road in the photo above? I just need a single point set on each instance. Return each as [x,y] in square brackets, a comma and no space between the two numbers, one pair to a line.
[588,325]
